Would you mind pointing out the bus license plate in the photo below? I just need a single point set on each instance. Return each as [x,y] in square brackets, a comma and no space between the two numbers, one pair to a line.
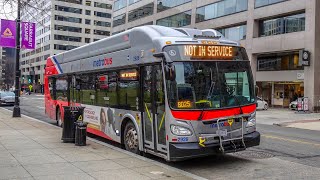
[222,133]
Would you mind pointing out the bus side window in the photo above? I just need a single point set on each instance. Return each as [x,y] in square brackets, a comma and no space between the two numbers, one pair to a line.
[88,88]
[62,88]
[128,90]
[51,87]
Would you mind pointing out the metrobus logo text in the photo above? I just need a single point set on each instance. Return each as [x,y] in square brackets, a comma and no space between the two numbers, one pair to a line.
[102,62]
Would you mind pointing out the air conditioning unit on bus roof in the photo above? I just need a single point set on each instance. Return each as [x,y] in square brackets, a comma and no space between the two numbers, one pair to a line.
[200,33]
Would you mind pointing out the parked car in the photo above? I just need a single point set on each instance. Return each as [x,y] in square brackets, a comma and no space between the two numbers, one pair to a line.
[262,104]
[293,105]
[7,98]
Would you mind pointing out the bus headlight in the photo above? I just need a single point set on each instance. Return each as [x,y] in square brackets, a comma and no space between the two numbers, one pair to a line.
[251,121]
[180,131]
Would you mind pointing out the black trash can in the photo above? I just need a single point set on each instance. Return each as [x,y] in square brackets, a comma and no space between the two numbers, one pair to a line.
[71,115]
[81,133]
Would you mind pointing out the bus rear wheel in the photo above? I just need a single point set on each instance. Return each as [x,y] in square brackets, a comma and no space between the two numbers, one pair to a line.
[59,119]
[131,141]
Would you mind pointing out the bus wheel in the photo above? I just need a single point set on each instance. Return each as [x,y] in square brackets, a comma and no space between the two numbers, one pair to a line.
[131,142]
[59,119]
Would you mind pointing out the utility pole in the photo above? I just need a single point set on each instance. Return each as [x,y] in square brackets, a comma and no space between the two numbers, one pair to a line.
[16,109]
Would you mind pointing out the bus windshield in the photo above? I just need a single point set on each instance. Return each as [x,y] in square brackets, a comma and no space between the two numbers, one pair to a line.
[211,85]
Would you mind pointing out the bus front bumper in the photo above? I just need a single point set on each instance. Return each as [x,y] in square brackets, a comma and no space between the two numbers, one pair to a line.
[182,151]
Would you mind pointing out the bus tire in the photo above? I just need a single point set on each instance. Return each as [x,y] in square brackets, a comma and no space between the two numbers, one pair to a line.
[130,138]
[58,117]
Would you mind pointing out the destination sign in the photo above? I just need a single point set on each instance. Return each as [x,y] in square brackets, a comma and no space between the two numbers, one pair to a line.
[208,52]
[129,75]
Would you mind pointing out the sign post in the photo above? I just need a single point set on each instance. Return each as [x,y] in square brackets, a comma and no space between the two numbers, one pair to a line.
[16,109]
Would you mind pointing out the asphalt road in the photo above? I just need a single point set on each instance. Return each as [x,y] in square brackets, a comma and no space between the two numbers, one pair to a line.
[284,153]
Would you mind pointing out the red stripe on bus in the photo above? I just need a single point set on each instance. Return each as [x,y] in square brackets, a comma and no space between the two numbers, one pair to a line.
[212,114]
[98,133]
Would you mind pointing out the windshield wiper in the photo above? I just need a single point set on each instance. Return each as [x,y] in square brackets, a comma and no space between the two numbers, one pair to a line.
[201,114]
[238,103]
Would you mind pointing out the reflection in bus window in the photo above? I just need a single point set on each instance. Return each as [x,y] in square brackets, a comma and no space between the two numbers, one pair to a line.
[128,89]
[88,92]
[210,85]
[62,88]
[102,90]
[51,87]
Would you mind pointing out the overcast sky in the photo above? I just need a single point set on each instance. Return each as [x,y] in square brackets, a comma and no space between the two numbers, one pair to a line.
[6,11]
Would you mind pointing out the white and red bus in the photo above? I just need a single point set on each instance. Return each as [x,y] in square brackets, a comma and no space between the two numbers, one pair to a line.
[175,93]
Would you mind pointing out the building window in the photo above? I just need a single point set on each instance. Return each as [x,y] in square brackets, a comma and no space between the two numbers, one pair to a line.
[87,40]
[88,12]
[102,33]
[101,14]
[119,20]
[101,23]
[68,19]
[45,57]
[88,21]
[236,33]
[67,28]
[221,8]
[68,9]
[87,31]
[168,4]
[102,5]
[117,32]
[64,47]
[133,1]
[260,3]
[178,20]
[46,38]
[67,38]
[141,12]
[88,3]
[46,48]
[72,1]
[148,23]
[282,25]
[119,4]
[46,19]
[276,62]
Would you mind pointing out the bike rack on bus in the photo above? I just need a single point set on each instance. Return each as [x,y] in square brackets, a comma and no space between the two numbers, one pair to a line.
[221,140]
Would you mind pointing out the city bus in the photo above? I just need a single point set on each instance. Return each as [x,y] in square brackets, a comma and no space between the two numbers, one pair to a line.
[176,93]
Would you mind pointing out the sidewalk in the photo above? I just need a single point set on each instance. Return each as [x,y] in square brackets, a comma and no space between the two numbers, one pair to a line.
[289,118]
[33,150]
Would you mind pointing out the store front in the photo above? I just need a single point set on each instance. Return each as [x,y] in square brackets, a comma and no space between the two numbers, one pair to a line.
[280,94]
[280,79]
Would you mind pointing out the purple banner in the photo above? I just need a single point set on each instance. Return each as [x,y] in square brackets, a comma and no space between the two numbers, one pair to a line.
[8,33]
[28,32]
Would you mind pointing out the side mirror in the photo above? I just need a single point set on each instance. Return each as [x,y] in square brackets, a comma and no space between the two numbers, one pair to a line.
[170,72]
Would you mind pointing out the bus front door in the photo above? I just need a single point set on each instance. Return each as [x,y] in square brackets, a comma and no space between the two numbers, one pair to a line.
[154,109]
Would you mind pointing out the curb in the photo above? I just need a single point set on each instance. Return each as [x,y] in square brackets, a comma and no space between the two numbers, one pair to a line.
[185,173]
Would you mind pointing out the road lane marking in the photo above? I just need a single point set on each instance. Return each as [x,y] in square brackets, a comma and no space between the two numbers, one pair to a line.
[40,107]
[291,140]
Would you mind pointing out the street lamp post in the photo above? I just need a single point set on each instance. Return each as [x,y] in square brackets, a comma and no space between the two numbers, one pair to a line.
[16,109]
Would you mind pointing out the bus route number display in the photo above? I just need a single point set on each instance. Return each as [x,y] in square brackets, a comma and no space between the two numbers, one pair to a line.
[208,52]
[183,104]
